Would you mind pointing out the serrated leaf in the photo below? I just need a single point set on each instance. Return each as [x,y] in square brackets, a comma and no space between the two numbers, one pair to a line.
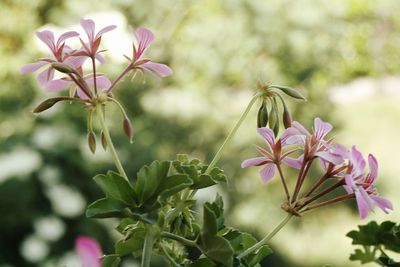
[172,185]
[149,178]
[363,256]
[110,260]
[217,249]
[105,208]
[115,186]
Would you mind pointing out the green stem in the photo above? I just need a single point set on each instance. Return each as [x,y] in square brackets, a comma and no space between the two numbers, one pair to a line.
[180,239]
[112,150]
[267,238]
[148,247]
[232,134]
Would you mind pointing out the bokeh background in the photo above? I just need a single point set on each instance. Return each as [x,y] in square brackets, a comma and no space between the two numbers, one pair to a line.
[344,55]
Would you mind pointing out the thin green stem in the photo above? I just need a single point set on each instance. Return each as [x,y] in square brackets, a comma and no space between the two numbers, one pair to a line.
[180,239]
[232,133]
[110,144]
[267,238]
[283,182]
[148,247]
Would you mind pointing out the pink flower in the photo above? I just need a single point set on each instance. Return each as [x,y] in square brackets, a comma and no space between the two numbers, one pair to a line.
[90,49]
[314,143]
[60,53]
[89,251]
[144,38]
[362,185]
[273,155]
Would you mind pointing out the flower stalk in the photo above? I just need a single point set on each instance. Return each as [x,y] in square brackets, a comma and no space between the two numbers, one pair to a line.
[110,144]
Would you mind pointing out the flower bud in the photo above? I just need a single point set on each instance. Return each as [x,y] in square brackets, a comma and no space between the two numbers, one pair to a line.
[91,138]
[63,68]
[48,103]
[262,117]
[290,92]
[103,140]
[274,118]
[287,118]
[128,129]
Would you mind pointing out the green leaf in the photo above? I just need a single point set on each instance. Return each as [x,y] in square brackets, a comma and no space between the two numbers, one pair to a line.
[255,257]
[115,186]
[210,225]
[149,178]
[363,256]
[132,245]
[110,260]
[203,262]
[172,185]
[105,208]
[389,262]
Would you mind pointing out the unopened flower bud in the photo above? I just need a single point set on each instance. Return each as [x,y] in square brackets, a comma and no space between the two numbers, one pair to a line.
[274,118]
[128,128]
[103,140]
[290,92]
[262,116]
[91,138]
[287,118]
[63,68]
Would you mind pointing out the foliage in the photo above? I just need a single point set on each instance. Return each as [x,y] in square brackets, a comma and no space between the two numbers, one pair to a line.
[376,239]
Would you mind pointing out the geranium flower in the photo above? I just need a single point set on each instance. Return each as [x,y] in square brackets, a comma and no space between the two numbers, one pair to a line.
[314,143]
[362,185]
[273,155]
[91,48]
[89,251]
[144,39]
[60,53]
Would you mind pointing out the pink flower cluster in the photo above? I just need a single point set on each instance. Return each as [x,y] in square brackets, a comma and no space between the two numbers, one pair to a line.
[73,59]
[347,168]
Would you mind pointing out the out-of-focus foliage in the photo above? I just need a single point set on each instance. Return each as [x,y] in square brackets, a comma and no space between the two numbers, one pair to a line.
[218,51]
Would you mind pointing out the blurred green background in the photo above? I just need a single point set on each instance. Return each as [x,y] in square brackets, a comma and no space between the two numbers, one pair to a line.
[344,55]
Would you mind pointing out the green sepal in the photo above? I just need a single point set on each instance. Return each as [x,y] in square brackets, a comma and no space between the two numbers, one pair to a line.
[117,187]
[105,208]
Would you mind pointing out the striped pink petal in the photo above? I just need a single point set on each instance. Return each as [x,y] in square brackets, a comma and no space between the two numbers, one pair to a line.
[66,36]
[101,81]
[47,37]
[144,38]
[321,128]
[29,68]
[57,85]
[254,162]
[89,251]
[161,70]
[268,136]
[382,203]
[89,27]
[104,30]
[267,172]
[45,76]
[373,167]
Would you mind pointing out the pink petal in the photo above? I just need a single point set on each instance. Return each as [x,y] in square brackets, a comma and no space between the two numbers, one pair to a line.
[81,93]
[29,68]
[291,131]
[75,61]
[300,128]
[254,162]
[294,163]
[57,85]
[47,37]
[45,76]
[363,206]
[373,167]
[321,128]
[330,157]
[358,161]
[66,36]
[101,81]
[144,38]
[89,27]
[100,58]
[160,69]
[295,139]
[89,251]
[350,182]
[268,135]
[104,30]
[267,172]
[382,203]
